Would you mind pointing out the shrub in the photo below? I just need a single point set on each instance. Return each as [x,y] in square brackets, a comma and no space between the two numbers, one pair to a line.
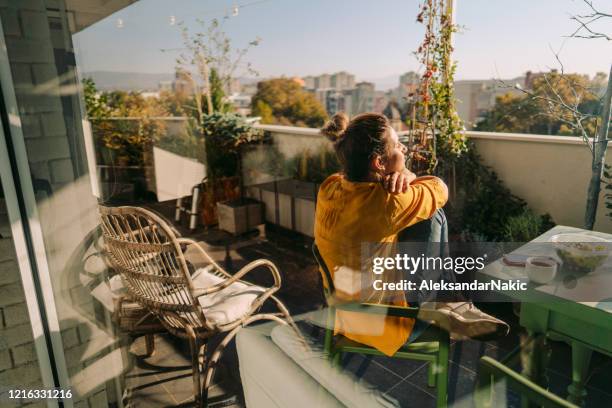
[526,226]
[483,205]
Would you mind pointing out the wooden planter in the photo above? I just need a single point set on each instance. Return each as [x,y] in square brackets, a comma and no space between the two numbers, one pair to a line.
[239,216]
[288,203]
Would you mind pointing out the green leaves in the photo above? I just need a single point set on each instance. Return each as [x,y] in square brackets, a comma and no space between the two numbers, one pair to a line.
[229,130]
[436,93]
[526,226]
[95,103]
[224,134]
[282,101]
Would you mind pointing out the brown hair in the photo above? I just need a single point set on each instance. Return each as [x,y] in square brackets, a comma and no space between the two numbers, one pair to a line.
[357,141]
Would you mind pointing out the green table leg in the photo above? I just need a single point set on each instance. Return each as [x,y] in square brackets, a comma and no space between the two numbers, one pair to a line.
[581,358]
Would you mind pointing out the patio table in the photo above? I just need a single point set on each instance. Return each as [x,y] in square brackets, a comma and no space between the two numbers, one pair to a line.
[579,313]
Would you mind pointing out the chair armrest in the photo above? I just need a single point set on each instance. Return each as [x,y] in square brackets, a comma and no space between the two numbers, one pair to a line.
[189,241]
[236,277]
[373,308]
[489,367]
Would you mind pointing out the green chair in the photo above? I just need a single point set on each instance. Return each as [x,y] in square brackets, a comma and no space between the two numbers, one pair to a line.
[432,346]
[490,371]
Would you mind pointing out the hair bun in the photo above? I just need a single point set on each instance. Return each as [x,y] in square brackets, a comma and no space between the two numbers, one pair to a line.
[335,127]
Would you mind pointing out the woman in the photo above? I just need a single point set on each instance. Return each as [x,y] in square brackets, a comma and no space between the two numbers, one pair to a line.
[373,200]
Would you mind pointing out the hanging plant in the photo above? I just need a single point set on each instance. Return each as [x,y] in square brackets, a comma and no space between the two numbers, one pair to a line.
[437,129]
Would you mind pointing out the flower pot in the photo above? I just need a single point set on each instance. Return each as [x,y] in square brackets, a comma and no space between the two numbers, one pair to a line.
[223,189]
[239,216]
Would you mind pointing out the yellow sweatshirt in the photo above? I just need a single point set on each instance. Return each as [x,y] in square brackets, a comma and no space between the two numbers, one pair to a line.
[349,214]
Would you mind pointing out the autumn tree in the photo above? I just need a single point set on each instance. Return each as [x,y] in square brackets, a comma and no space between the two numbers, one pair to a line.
[533,112]
[96,104]
[124,124]
[283,101]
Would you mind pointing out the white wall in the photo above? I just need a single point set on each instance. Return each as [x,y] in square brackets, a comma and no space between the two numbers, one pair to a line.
[551,173]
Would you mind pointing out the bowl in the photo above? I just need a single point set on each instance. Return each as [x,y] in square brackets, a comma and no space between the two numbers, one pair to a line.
[581,252]
[541,269]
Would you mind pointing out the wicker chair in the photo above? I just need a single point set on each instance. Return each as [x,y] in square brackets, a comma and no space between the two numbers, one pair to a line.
[149,257]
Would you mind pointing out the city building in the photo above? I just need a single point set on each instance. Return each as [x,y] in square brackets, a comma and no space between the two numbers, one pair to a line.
[248,88]
[408,84]
[323,81]
[241,102]
[309,82]
[182,84]
[475,97]
[382,99]
[363,99]
[342,80]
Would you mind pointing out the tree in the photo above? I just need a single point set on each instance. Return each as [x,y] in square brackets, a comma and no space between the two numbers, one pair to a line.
[124,124]
[283,101]
[511,114]
[586,21]
[208,56]
[96,104]
[533,112]
[217,93]
[263,110]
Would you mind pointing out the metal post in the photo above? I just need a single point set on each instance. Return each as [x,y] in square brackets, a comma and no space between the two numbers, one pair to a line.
[194,207]
[179,208]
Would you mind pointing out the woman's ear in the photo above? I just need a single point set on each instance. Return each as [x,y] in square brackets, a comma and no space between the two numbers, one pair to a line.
[377,164]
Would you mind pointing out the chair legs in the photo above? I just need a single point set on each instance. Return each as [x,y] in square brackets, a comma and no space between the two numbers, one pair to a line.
[149,345]
[211,365]
[207,367]
[431,375]
[337,358]
[198,350]
[442,372]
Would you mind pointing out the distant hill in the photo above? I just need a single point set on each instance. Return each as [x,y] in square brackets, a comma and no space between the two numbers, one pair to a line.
[127,81]
[137,81]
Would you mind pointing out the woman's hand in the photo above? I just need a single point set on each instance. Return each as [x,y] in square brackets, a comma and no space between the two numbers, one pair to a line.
[398,182]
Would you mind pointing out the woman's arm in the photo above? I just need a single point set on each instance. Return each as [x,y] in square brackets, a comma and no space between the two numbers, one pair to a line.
[424,196]
[398,182]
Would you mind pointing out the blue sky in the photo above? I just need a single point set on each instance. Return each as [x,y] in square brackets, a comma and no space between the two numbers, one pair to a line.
[372,39]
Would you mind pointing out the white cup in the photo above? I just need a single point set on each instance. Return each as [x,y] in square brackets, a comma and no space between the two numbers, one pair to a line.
[541,269]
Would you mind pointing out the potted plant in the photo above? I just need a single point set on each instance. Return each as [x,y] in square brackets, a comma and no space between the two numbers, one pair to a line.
[225,134]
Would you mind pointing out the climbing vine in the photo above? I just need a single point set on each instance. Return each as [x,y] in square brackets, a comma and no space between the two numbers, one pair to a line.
[438,131]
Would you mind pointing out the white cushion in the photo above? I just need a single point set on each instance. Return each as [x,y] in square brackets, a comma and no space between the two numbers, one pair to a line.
[227,305]
[284,383]
[351,391]
[223,307]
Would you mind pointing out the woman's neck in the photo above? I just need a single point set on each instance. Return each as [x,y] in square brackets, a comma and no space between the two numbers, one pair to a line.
[371,177]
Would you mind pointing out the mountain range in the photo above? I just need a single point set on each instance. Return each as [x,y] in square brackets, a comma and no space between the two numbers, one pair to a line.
[127,81]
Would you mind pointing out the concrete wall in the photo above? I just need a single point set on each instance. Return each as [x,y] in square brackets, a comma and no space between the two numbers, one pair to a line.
[18,361]
[551,173]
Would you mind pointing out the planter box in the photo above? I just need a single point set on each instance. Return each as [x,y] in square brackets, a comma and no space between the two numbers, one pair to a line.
[239,216]
[288,203]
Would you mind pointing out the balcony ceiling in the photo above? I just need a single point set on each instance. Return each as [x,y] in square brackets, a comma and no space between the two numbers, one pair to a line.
[87,12]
